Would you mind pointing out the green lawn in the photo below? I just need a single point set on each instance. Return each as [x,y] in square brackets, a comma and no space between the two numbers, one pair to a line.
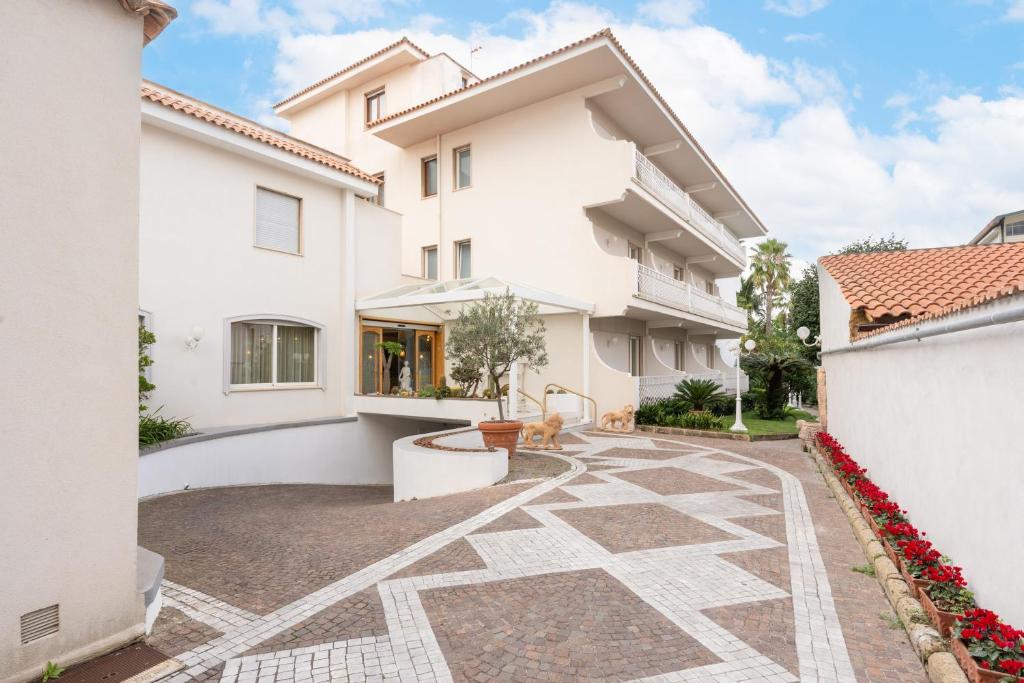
[756,426]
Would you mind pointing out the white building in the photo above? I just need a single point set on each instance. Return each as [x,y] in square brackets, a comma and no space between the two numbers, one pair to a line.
[920,353]
[568,174]
[274,265]
[68,286]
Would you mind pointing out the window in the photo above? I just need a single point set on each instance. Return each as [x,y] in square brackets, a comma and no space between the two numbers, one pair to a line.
[429,176]
[709,287]
[634,252]
[462,167]
[1014,232]
[678,273]
[634,356]
[430,262]
[273,353]
[679,355]
[374,105]
[463,259]
[277,221]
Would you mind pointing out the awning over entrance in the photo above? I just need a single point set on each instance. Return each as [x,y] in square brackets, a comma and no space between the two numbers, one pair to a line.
[438,302]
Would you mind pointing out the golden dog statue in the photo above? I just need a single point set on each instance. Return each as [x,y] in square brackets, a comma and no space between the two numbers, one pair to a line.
[622,418]
[548,431]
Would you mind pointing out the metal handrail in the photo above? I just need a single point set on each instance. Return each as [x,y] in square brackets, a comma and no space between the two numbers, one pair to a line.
[571,391]
[543,408]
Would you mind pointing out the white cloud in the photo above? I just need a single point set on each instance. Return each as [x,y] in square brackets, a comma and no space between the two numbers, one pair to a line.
[804,38]
[249,17]
[1015,12]
[781,131]
[795,8]
[671,12]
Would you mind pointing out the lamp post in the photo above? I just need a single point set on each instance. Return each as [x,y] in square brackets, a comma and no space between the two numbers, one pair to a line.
[738,425]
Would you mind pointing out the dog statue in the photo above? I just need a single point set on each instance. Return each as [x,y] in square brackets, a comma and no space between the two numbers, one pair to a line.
[618,420]
[548,431]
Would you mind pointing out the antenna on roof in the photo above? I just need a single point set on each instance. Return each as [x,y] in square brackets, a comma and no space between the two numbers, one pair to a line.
[472,51]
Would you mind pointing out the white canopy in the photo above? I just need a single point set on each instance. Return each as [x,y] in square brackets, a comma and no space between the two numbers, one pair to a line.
[436,302]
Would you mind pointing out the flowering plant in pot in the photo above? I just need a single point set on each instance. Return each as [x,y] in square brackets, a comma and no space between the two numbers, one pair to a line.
[988,649]
[493,334]
[892,533]
[918,556]
[946,597]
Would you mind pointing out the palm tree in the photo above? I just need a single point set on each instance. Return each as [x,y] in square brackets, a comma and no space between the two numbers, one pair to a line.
[769,275]
[747,299]
[698,395]
[774,367]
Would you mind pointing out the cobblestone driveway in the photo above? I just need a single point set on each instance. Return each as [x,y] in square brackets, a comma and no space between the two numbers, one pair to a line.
[649,558]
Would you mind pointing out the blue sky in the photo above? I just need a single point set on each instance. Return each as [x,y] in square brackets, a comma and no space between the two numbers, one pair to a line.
[835,118]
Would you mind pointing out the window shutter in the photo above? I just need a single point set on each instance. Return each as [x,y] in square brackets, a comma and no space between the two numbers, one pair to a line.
[277,221]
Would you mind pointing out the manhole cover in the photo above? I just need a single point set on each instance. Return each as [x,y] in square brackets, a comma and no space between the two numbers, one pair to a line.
[123,665]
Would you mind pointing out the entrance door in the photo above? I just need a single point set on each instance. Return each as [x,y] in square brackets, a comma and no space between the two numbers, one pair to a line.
[426,343]
[370,365]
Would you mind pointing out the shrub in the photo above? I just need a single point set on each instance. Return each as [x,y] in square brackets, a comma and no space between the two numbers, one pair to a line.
[154,428]
[699,395]
[427,391]
[661,413]
[701,419]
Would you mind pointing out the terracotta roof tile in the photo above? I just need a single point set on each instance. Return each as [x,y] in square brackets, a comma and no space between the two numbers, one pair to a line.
[156,15]
[218,117]
[364,60]
[926,283]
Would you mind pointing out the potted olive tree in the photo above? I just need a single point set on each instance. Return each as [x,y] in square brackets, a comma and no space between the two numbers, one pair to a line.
[492,334]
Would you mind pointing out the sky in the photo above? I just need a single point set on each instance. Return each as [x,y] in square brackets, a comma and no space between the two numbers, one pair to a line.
[835,119]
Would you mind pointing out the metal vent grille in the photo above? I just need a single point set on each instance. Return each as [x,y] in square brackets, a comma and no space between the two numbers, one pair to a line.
[40,623]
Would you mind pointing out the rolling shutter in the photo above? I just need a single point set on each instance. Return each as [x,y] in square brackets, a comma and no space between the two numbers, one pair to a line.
[277,221]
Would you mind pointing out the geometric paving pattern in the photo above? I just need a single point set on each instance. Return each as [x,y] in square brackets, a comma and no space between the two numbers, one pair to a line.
[620,579]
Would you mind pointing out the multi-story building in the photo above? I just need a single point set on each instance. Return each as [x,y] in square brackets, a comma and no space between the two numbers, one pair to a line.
[568,174]
[1003,229]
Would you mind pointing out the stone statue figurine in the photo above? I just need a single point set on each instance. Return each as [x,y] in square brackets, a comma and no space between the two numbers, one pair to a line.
[405,377]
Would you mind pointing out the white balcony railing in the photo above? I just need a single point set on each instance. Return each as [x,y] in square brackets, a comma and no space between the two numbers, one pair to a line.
[661,186]
[652,388]
[662,289]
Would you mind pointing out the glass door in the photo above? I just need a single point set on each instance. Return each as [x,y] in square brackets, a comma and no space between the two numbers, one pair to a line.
[425,345]
[370,364]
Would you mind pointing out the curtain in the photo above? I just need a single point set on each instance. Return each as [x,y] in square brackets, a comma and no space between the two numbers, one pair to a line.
[296,360]
[251,353]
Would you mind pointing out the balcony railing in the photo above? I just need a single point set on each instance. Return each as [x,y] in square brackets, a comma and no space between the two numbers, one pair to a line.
[661,186]
[652,285]
[652,388]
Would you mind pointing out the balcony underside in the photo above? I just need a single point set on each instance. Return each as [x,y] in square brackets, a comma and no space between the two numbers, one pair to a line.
[659,315]
[643,212]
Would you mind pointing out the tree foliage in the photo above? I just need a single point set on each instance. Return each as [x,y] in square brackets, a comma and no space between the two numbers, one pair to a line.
[770,278]
[496,332]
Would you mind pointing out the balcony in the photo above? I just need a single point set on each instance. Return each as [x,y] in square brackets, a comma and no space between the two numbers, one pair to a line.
[659,288]
[682,204]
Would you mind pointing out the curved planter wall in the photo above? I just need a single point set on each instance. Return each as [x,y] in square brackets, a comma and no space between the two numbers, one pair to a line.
[424,472]
[333,451]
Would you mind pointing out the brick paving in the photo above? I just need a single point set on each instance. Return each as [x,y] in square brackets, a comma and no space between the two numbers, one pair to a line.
[679,558]
[534,465]
[175,632]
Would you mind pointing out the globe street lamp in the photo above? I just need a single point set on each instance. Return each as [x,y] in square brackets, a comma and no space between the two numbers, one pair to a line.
[738,425]
[804,333]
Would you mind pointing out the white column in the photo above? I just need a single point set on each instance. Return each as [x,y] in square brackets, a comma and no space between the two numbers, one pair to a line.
[586,417]
[349,337]
[513,391]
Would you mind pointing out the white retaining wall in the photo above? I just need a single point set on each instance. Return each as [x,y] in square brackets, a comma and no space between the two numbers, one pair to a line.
[939,425]
[355,451]
[421,472]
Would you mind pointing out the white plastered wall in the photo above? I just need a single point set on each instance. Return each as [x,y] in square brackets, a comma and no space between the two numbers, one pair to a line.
[68,286]
[936,422]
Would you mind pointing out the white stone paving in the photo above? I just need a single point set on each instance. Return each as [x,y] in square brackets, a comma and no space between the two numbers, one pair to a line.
[678,581]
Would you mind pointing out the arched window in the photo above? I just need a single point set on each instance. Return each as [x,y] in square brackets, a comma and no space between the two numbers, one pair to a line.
[272,352]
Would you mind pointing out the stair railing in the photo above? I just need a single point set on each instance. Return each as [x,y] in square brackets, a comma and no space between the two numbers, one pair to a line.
[543,408]
[571,391]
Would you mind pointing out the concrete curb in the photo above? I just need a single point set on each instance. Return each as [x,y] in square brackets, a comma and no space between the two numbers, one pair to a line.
[939,663]
[679,431]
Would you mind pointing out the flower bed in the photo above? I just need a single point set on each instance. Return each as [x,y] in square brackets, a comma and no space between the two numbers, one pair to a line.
[986,648]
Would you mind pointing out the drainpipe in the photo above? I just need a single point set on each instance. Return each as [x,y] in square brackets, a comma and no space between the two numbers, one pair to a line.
[970,321]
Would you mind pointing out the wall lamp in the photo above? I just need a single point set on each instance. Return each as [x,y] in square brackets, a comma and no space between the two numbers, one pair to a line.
[804,333]
[193,342]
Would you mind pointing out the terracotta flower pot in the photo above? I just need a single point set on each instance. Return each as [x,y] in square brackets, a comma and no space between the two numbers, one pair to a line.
[875,528]
[975,674]
[892,554]
[501,434]
[917,585]
[943,621]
